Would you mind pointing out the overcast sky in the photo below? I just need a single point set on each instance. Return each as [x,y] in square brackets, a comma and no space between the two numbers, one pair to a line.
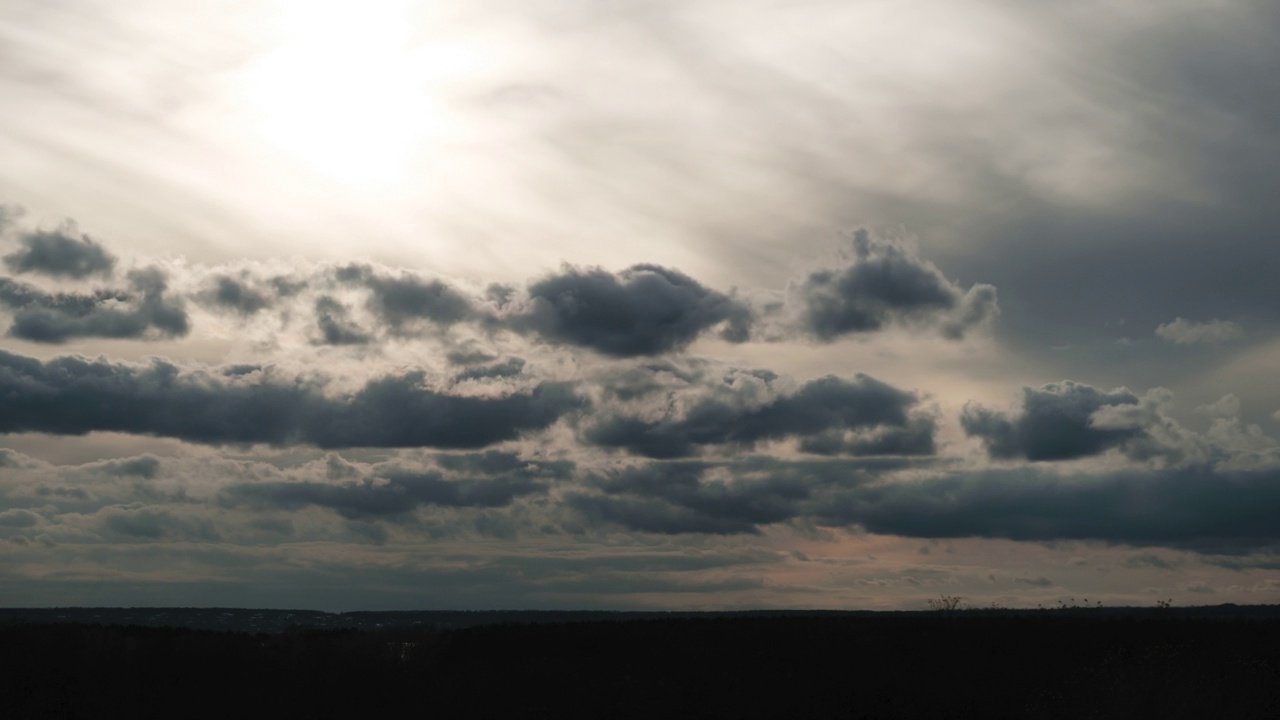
[639,304]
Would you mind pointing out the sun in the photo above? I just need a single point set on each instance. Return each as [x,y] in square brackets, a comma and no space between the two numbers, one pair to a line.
[347,93]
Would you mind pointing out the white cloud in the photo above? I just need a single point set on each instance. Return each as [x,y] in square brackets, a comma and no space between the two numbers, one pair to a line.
[1190,332]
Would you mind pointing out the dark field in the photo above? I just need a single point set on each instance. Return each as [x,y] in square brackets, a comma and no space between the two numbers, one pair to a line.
[968,664]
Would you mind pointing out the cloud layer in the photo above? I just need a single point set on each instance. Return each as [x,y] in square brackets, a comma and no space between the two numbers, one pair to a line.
[246,404]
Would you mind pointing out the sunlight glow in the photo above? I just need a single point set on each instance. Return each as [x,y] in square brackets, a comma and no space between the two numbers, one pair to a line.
[349,94]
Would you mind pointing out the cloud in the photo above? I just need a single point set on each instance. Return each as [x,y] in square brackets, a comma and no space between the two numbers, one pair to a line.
[1194,507]
[1144,560]
[18,518]
[638,381]
[238,295]
[401,301]
[383,497]
[643,310]
[835,416]
[914,437]
[138,522]
[144,312]
[8,215]
[1189,332]
[885,284]
[718,498]
[60,254]
[143,466]
[492,463]
[674,498]
[1035,582]
[334,322]
[510,367]
[73,396]
[475,480]
[1227,406]
[654,516]
[1056,423]
[1233,443]
[469,356]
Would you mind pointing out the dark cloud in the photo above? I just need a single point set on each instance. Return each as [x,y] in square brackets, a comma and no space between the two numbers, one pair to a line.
[1145,560]
[286,286]
[668,376]
[62,492]
[60,254]
[149,523]
[401,301]
[400,412]
[1035,582]
[643,310]
[144,312]
[241,369]
[238,295]
[636,382]
[1056,423]
[485,480]
[500,294]
[885,284]
[510,367]
[19,295]
[275,526]
[718,498]
[384,497]
[655,516]
[19,518]
[743,504]
[830,410]
[469,357]
[1195,508]
[1267,559]
[493,463]
[915,437]
[73,396]
[336,328]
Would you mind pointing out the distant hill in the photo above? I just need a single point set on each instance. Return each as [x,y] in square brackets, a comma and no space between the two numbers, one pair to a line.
[275,620]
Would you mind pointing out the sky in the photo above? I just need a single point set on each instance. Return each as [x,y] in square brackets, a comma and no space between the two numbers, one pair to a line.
[639,304]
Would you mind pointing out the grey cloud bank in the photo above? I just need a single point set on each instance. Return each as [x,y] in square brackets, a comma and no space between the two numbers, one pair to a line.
[74,396]
[643,310]
[143,312]
[1195,508]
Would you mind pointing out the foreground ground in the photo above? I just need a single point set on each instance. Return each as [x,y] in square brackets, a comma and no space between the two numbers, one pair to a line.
[1070,665]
